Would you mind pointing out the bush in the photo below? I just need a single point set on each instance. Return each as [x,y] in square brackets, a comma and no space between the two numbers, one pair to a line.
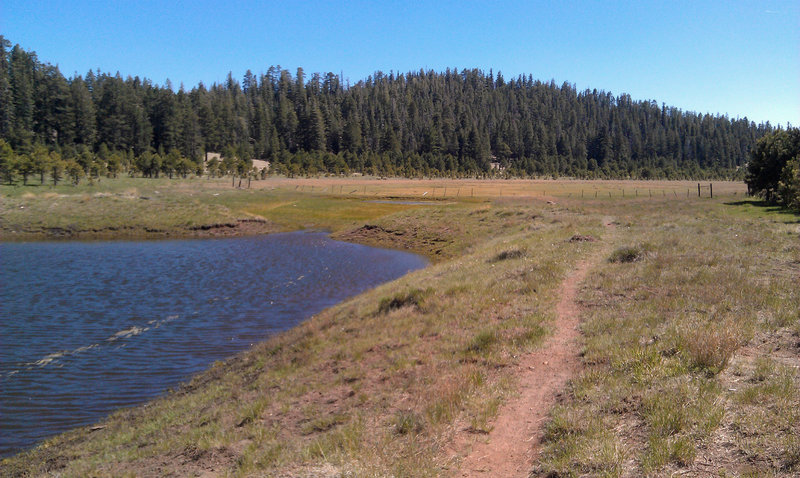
[414,297]
[629,253]
[510,254]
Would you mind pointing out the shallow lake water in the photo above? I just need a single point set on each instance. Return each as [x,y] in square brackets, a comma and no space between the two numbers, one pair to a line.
[89,327]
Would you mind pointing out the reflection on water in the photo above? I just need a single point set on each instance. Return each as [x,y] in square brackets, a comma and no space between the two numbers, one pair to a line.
[87,327]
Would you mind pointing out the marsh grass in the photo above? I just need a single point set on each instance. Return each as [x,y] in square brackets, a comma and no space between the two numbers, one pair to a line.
[139,207]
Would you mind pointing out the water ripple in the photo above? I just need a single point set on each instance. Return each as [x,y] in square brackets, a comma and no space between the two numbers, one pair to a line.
[88,327]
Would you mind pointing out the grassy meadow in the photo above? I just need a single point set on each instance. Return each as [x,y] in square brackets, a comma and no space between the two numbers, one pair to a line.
[690,335]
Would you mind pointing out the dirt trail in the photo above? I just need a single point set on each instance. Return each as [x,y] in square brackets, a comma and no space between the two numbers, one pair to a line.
[513,444]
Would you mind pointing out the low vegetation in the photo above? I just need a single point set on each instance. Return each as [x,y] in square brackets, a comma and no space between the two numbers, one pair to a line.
[689,344]
[686,348]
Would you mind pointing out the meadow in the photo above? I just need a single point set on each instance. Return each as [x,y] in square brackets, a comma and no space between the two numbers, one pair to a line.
[687,355]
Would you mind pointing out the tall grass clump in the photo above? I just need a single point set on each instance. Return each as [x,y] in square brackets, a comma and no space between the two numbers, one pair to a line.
[412,298]
[482,342]
[629,253]
[508,255]
[710,346]
[407,422]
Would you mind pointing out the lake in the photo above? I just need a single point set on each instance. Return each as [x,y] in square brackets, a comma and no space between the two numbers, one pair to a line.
[89,327]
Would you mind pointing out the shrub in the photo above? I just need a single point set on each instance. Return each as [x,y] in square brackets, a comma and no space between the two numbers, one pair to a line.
[414,297]
[510,254]
[629,253]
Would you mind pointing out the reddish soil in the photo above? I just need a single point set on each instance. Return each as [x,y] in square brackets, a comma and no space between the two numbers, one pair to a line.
[513,444]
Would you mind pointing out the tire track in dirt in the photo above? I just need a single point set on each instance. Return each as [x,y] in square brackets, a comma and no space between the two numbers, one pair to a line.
[514,442]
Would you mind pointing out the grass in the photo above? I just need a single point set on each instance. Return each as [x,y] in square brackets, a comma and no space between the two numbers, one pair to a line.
[687,346]
[629,253]
[411,298]
[375,385]
[139,207]
[664,332]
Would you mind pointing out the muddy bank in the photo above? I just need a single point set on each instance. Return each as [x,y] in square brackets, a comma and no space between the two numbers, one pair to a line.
[235,228]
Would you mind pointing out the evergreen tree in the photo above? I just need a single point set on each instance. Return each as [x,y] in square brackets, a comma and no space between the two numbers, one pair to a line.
[422,122]
[8,162]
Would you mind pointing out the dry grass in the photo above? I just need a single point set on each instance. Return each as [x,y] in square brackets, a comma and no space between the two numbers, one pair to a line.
[375,386]
[663,331]
[690,348]
[494,188]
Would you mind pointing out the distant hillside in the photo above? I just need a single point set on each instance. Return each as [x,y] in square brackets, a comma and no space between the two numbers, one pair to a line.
[456,122]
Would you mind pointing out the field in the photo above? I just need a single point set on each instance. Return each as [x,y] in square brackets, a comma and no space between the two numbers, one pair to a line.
[670,324]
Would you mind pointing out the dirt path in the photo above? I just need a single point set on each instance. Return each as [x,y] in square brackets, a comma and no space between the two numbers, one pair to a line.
[513,444]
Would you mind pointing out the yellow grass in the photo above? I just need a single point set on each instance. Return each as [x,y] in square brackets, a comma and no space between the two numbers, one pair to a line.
[493,188]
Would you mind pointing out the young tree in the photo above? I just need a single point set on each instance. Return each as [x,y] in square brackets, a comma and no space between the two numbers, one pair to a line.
[213,167]
[40,159]
[8,162]
[74,171]
[113,164]
[56,166]
[171,162]
[25,167]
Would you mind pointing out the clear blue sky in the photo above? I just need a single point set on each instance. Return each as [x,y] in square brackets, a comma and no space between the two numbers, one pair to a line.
[740,58]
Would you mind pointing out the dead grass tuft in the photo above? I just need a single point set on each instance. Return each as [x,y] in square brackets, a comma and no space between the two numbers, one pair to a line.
[710,345]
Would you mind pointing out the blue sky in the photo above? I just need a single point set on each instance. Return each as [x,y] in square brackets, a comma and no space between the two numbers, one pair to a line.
[740,58]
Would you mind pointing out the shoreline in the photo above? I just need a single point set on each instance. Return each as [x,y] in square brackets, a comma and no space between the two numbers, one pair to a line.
[237,228]
[224,361]
[407,378]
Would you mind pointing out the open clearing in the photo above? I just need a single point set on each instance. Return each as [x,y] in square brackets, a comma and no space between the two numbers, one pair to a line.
[685,353]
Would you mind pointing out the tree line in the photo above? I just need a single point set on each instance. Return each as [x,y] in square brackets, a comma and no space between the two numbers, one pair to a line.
[424,123]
